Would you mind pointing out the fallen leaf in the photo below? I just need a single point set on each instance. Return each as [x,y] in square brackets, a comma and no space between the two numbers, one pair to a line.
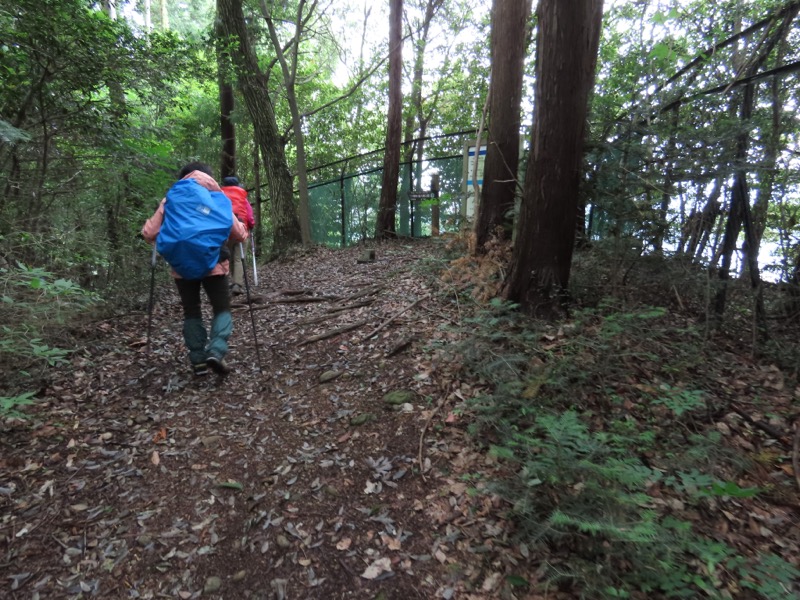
[490,583]
[155,458]
[378,567]
[344,544]
[231,485]
[390,542]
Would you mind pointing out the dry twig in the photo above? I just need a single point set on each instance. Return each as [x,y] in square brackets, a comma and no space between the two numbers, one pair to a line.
[796,454]
[422,437]
[388,322]
[333,332]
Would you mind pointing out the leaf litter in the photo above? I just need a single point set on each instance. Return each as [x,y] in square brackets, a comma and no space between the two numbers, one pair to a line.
[295,479]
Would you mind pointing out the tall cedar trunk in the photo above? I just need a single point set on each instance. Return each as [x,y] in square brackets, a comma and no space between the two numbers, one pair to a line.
[385,226]
[569,34]
[510,20]
[226,104]
[253,84]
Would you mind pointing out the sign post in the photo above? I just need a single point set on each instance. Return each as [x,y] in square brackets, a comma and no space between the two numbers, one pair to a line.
[474,156]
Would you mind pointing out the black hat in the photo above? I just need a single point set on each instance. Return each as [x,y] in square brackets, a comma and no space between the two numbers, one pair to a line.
[230,181]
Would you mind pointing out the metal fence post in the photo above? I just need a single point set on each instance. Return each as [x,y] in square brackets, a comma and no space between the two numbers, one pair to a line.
[341,195]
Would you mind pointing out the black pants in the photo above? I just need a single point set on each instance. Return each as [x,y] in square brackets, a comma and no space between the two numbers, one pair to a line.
[216,288]
[199,342]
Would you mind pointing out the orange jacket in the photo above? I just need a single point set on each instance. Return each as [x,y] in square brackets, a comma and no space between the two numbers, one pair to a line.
[153,225]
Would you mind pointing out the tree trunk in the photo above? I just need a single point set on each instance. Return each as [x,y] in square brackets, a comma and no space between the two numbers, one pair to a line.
[772,147]
[226,104]
[228,130]
[289,80]
[700,225]
[662,226]
[253,84]
[510,20]
[257,208]
[164,16]
[385,226]
[407,183]
[569,34]
[148,19]
[740,214]
[110,8]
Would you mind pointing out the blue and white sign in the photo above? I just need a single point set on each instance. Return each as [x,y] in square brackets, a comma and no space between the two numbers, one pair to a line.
[471,164]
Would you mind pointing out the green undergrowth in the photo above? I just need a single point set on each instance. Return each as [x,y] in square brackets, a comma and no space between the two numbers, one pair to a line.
[38,307]
[606,425]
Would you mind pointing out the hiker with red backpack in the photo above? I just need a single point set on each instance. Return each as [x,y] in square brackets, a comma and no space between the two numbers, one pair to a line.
[192,228]
[244,212]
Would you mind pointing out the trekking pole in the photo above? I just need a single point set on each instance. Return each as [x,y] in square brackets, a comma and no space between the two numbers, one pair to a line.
[152,295]
[250,305]
[255,271]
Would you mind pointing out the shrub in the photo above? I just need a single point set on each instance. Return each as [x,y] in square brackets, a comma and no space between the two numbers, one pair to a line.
[597,426]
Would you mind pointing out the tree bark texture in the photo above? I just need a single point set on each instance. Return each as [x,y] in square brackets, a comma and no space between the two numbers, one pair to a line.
[253,84]
[510,20]
[567,44]
[385,226]
[290,79]
[226,105]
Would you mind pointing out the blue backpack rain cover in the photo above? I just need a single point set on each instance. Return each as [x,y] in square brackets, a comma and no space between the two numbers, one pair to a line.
[197,223]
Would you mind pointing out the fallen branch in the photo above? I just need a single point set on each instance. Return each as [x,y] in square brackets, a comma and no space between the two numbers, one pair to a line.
[374,289]
[393,317]
[305,299]
[796,454]
[331,313]
[333,332]
[422,437]
[765,427]
[267,303]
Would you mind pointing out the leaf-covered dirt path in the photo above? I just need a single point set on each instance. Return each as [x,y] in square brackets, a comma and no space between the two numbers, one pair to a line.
[134,479]
[338,469]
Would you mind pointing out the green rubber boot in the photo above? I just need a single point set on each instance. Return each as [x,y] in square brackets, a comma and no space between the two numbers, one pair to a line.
[221,329]
[194,335]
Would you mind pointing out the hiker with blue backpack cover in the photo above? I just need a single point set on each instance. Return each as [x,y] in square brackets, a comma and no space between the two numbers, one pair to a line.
[192,228]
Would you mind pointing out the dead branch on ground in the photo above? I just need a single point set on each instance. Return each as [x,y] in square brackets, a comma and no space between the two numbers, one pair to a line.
[333,332]
[393,317]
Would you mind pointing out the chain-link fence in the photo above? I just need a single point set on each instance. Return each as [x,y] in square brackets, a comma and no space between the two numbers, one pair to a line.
[344,198]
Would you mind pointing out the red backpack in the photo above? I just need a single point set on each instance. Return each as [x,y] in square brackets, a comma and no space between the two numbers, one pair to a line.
[241,206]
